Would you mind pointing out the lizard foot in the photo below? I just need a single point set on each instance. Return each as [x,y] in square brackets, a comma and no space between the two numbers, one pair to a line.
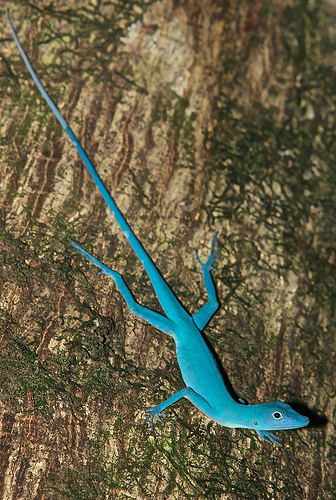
[271,438]
[208,265]
[154,412]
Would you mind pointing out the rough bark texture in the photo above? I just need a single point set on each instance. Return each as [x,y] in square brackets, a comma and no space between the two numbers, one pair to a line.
[200,115]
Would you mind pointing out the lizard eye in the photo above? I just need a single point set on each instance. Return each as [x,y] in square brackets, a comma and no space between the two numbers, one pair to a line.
[277,415]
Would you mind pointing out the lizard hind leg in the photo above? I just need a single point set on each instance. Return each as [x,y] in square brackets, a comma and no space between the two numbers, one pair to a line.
[203,316]
[158,320]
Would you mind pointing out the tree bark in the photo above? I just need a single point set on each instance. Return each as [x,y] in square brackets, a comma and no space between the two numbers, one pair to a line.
[200,116]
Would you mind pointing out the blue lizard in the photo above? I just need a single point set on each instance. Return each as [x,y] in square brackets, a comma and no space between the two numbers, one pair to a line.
[205,387]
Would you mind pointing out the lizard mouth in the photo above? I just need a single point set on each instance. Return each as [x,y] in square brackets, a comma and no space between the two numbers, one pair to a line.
[303,423]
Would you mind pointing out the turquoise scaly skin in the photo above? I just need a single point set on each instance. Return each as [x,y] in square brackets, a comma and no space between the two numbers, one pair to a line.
[204,384]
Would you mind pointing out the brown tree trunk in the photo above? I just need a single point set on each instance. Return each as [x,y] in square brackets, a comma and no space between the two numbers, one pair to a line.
[200,115]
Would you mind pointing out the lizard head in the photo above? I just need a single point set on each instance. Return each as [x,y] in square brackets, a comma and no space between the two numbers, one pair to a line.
[275,416]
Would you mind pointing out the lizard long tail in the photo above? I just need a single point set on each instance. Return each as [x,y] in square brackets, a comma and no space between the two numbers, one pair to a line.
[166,297]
